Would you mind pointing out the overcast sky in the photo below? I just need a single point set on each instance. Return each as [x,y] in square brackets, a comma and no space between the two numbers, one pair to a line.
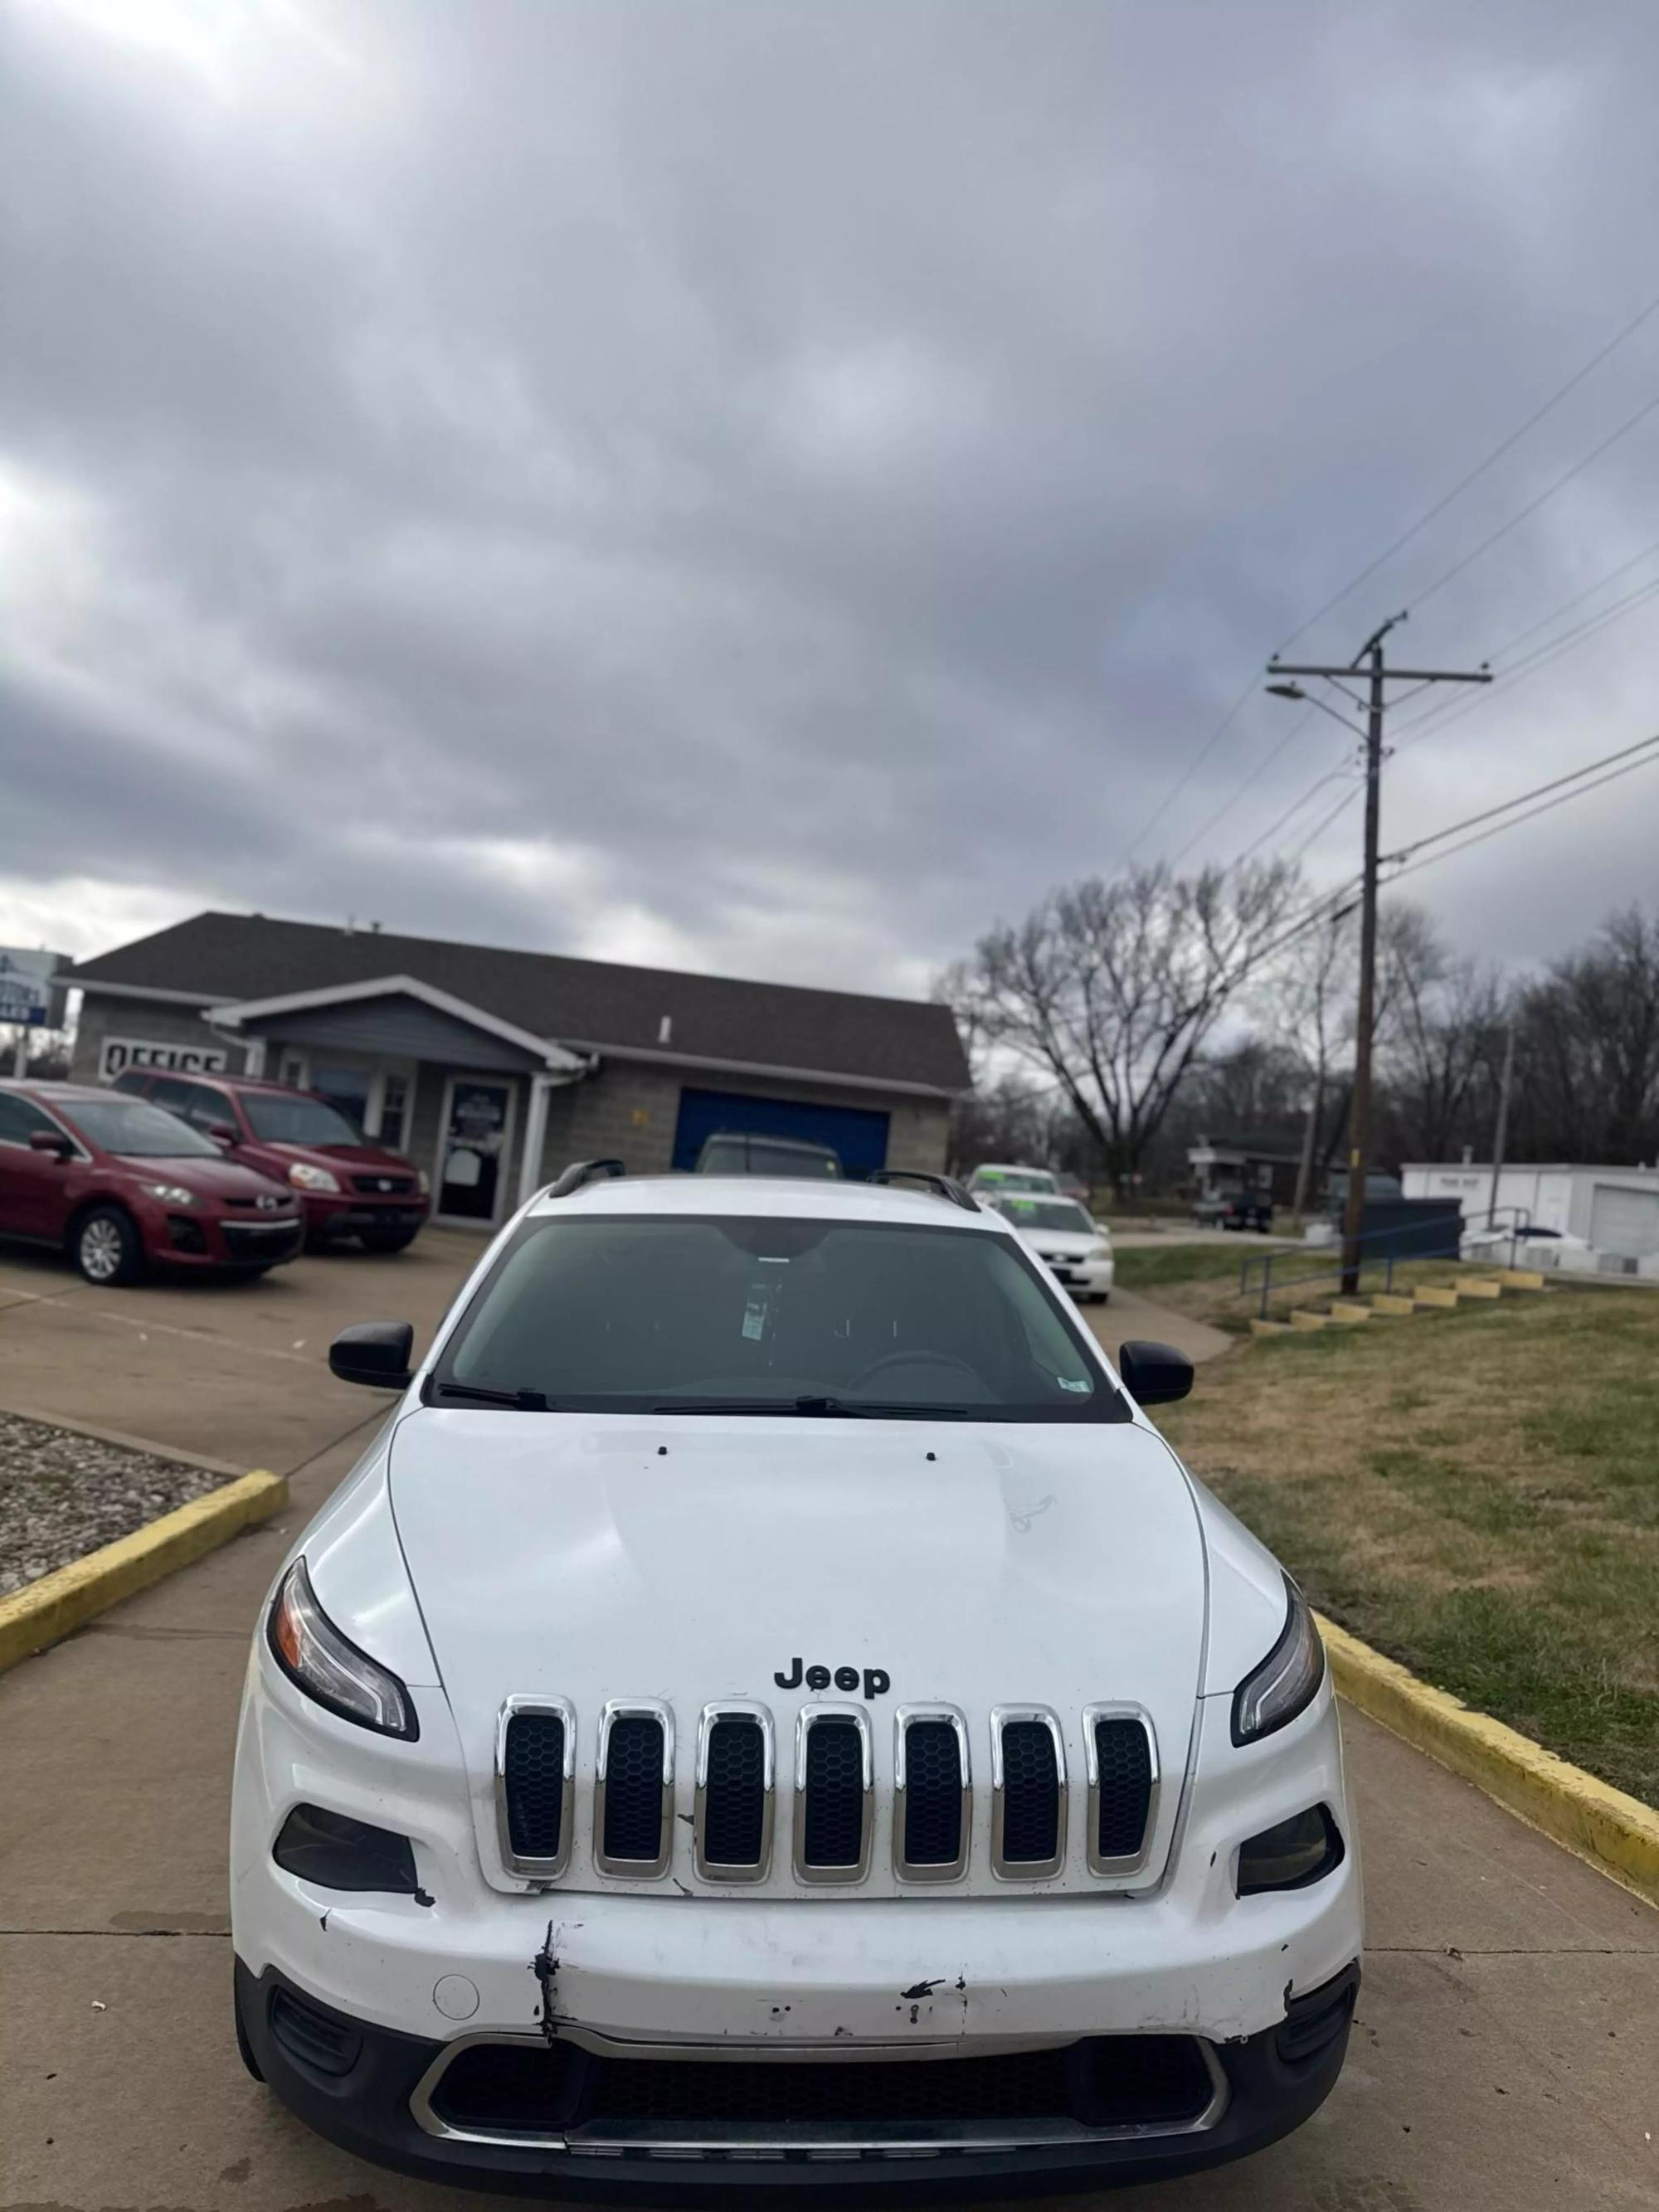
[776,486]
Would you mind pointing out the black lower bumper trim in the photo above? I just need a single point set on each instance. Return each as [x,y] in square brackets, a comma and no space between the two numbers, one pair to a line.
[1275,2079]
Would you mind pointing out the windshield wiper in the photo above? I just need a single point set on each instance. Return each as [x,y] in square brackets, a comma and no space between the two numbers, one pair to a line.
[528,1401]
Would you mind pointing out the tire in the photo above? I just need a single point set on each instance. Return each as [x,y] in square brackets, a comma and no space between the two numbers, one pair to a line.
[105,1246]
[388,1240]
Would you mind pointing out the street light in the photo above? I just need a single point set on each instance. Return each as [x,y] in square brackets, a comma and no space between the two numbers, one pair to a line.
[1295,691]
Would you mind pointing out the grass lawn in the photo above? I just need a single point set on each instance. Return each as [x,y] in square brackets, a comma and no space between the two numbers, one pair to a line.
[1475,1493]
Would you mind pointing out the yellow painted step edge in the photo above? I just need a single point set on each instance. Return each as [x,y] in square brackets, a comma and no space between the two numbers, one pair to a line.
[1303,1318]
[1349,1309]
[43,1612]
[1437,1296]
[1521,1279]
[1616,1834]
[1393,1301]
[1479,1287]
[1260,1327]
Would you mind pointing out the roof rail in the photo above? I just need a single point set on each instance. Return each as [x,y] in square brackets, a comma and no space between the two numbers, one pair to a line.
[942,1186]
[583,1171]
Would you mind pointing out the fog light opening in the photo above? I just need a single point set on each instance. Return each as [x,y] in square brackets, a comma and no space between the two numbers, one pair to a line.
[1291,1854]
[337,1852]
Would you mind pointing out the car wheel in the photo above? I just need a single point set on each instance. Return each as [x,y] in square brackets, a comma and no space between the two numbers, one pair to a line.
[106,1247]
[388,1240]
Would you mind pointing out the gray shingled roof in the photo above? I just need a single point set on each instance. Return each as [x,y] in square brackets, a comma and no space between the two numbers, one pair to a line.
[230,956]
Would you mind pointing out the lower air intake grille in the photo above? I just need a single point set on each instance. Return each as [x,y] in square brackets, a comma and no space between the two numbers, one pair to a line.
[534,1769]
[1124,1758]
[1030,1802]
[933,1794]
[1110,2082]
[633,1790]
[734,1810]
[834,1795]
[315,2038]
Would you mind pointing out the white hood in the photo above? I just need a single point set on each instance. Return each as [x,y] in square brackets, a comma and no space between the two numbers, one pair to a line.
[695,1558]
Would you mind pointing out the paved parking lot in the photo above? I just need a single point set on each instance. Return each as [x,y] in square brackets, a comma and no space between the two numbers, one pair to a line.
[1507,2050]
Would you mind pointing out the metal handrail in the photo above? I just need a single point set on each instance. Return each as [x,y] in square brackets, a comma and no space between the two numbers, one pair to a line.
[1335,1265]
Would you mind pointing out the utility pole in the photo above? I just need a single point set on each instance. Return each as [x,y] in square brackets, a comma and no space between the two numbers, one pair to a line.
[1359,1111]
[1501,1134]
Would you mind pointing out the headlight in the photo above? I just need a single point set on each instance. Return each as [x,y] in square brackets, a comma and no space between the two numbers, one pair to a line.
[304,1176]
[1098,1252]
[423,1182]
[1284,1683]
[328,1667]
[171,1193]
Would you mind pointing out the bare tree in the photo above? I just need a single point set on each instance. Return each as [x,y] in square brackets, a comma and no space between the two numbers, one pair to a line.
[1437,1040]
[1588,1055]
[1111,989]
[1310,1004]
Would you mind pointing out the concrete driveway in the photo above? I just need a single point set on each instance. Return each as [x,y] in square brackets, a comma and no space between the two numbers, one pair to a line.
[1507,2050]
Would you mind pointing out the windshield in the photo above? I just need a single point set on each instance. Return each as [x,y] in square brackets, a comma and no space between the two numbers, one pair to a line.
[142,1132]
[1049,1213]
[289,1117]
[642,1314]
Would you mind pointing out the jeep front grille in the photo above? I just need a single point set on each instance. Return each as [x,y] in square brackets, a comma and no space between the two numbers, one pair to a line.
[832,1815]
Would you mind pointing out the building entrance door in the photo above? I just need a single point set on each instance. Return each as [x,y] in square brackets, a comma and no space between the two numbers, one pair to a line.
[475,1136]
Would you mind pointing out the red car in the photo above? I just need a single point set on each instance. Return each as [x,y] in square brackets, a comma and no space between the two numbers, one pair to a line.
[121,1187]
[347,1185]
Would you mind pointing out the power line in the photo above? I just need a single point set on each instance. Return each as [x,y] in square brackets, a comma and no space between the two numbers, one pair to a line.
[1295,807]
[1228,803]
[1191,768]
[1470,822]
[1326,820]
[1531,665]
[1548,808]
[1479,470]
[1533,505]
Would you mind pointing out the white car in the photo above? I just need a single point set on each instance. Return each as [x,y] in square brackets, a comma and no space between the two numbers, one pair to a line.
[769,1710]
[992,1177]
[1070,1242]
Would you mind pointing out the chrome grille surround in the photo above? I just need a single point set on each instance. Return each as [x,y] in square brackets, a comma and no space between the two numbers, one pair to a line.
[735,1708]
[562,1709]
[615,1710]
[930,1870]
[806,1720]
[1026,1870]
[1135,1862]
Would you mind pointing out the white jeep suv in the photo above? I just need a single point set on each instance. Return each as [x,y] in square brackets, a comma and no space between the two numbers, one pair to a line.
[770,1710]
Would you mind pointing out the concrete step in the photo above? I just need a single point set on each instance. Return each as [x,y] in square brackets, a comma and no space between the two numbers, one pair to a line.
[1479,1286]
[1521,1279]
[1393,1301]
[1304,1318]
[1349,1310]
[1260,1327]
[1436,1295]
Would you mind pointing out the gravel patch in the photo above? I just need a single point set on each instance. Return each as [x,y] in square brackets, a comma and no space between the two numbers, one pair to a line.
[63,1495]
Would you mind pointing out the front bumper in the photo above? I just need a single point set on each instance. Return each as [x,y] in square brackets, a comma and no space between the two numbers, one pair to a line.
[348,1215]
[175,1238]
[381,2094]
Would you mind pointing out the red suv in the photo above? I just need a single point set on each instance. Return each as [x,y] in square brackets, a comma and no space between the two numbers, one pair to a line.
[347,1185]
[121,1186]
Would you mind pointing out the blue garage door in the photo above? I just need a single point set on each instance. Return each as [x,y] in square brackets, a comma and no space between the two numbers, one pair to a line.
[860,1138]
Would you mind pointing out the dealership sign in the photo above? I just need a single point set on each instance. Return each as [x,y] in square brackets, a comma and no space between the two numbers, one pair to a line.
[26,993]
[139,1052]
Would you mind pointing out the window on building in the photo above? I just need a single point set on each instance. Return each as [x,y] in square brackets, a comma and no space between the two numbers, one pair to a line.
[394,1109]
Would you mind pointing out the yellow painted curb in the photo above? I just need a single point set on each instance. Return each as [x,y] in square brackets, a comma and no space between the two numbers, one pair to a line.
[43,1612]
[1616,1834]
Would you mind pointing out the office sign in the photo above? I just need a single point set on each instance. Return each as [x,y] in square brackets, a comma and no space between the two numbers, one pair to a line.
[26,993]
[118,1052]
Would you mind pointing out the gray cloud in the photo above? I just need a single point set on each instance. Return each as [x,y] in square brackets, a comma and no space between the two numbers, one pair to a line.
[777,488]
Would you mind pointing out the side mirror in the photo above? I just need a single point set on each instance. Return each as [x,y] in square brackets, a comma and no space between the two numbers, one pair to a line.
[376,1353]
[225,1133]
[1154,1374]
[51,1140]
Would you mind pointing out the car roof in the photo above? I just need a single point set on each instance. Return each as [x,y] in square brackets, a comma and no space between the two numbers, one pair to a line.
[774,1197]
[218,1075]
[60,1094]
